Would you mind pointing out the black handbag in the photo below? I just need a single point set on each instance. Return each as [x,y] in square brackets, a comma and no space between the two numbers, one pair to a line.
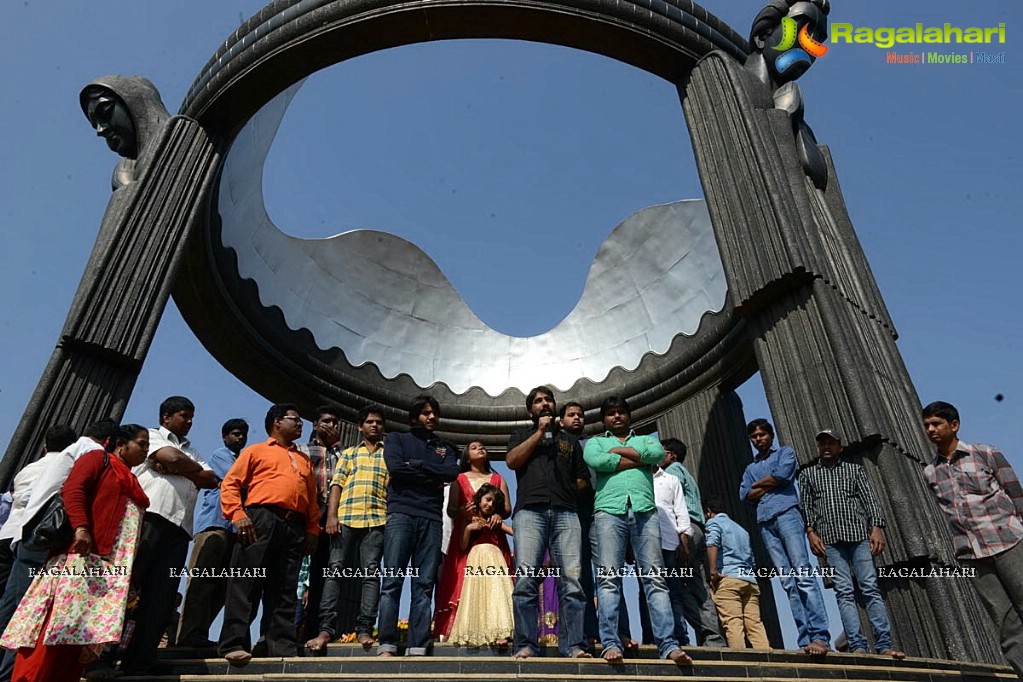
[50,529]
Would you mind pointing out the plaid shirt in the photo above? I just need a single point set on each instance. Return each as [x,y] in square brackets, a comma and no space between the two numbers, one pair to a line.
[324,461]
[982,497]
[362,476]
[839,503]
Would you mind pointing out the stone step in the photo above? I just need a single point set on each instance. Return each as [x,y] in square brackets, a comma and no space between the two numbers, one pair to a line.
[352,663]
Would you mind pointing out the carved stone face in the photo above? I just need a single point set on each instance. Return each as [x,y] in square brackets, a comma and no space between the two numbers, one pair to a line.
[112,121]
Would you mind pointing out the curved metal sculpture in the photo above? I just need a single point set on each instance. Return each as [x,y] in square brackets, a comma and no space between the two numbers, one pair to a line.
[655,277]
[357,349]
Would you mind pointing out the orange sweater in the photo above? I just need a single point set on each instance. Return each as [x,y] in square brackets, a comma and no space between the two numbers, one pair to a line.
[271,473]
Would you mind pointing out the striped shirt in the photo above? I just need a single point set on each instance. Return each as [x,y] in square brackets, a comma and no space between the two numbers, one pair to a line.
[362,476]
[982,497]
[839,503]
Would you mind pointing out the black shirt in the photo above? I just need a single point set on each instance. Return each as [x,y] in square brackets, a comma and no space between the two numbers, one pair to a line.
[548,478]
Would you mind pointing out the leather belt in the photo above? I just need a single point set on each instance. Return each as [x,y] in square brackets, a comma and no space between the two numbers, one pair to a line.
[286,515]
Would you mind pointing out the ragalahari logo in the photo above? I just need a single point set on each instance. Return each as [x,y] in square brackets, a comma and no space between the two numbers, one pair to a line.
[808,50]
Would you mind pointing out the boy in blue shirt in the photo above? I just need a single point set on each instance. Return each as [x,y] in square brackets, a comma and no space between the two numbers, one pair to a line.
[733,579]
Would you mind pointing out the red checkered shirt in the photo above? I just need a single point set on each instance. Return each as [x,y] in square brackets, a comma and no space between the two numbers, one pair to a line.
[982,497]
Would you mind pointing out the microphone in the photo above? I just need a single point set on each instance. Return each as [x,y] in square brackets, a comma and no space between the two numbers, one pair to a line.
[552,429]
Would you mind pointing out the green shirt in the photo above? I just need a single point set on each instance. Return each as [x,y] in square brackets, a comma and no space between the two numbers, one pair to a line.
[615,489]
[694,503]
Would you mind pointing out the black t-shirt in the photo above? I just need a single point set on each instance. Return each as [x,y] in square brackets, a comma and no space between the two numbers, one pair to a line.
[549,475]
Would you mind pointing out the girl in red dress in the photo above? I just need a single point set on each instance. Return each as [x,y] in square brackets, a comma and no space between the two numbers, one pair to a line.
[475,472]
[484,614]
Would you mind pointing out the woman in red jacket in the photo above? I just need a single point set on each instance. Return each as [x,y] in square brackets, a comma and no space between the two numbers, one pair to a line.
[77,602]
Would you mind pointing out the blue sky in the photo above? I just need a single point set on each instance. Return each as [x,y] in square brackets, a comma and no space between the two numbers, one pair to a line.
[509,163]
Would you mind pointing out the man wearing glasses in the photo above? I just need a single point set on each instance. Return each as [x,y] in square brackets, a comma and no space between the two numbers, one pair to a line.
[278,524]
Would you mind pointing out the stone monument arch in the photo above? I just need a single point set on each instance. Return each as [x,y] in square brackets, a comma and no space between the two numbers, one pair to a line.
[780,284]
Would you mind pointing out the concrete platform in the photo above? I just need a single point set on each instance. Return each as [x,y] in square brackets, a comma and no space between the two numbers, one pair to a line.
[353,663]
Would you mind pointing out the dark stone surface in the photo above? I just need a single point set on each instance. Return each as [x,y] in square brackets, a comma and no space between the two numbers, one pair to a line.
[822,339]
[117,307]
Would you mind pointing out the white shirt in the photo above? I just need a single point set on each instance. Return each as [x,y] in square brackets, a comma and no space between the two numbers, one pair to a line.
[170,495]
[51,477]
[23,484]
[671,509]
[446,523]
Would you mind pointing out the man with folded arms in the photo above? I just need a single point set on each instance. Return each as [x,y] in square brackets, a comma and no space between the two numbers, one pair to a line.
[171,477]
[769,484]
[419,463]
[624,510]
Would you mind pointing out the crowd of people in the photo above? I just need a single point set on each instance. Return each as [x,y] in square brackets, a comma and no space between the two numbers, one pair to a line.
[586,513]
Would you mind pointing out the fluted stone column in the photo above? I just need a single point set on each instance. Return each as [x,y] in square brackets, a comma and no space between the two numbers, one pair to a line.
[823,339]
[712,424]
[122,295]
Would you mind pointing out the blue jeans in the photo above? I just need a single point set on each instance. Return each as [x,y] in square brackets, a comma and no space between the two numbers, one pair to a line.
[537,529]
[676,593]
[613,532]
[854,557]
[417,539]
[785,538]
[353,548]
